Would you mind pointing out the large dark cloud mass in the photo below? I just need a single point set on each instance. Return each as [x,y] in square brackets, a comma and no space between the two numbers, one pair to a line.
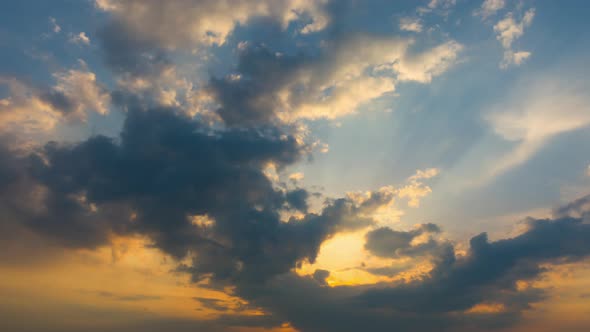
[442,299]
[166,170]
[199,193]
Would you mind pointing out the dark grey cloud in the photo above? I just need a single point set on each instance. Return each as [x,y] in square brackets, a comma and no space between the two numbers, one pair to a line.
[441,300]
[321,276]
[252,99]
[386,242]
[59,101]
[579,208]
[126,52]
[490,271]
[165,168]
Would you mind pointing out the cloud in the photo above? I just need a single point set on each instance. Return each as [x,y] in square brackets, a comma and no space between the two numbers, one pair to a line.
[441,3]
[24,112]
[209,196]
[442,7]
[385,242]
[415,189]
[80,39]
[303,87]
[55,28]
[267,86]
[490,7]
[321,276]
[127,53]
[422,67]
[296,177]
[194,24]
[424,174]
[83,91]
[274,87]
[30,112]
[128,298]
[410,24]
[508,30]
[492,275]
[579,208]
[492,267]
[534,116]
[153,181]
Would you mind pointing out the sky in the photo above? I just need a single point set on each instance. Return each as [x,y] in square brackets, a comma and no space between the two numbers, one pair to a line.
[294,165]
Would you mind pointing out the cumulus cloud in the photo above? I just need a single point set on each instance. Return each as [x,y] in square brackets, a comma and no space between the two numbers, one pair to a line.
[209,196]
[348,72]
[25,112]
[510,29]
[83,91]
[153,182]
[271,86]
[31,112]
[492,273]
[193,24]
[415,189]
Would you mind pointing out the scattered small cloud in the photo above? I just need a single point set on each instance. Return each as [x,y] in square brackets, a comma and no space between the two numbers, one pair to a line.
[441,6]
[80,39]
[509,30]
[55,28]
[296,177]
[489,8]
[410,24]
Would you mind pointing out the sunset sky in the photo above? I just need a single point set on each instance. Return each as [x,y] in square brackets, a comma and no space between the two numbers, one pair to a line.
[294,165]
